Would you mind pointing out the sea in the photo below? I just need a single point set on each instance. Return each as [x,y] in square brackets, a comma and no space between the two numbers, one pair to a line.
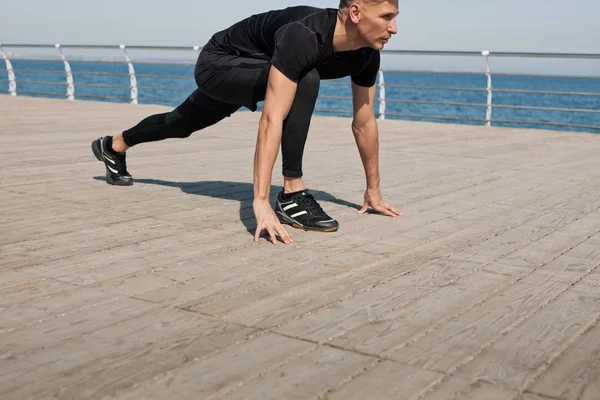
[170,84]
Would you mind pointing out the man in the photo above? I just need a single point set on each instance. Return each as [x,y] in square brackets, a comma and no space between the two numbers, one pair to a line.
[280,57]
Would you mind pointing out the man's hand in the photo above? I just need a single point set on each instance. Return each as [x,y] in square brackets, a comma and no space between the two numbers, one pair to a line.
[374,200]
[268,221]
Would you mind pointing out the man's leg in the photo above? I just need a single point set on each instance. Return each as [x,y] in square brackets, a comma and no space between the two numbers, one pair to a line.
[295,131]
[295,205]
[195,113]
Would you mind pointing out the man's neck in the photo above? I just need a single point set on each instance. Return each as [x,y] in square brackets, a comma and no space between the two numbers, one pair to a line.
[345,37]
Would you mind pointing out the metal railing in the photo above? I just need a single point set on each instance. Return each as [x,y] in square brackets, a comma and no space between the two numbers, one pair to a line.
[385,101]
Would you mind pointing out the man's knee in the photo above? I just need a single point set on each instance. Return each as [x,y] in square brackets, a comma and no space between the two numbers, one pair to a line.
[180,124]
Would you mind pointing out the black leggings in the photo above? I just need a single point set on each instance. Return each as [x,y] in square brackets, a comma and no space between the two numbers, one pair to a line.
[200,111]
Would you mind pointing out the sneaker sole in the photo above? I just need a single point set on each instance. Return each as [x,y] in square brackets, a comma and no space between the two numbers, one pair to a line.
[284,219]
[98,154]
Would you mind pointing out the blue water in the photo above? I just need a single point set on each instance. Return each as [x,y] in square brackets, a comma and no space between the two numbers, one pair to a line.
[41,83]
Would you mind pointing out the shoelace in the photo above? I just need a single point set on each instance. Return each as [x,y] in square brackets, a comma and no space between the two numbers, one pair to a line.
[310,204]
[122,164]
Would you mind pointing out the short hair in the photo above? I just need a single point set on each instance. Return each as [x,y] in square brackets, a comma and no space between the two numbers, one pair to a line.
[346,3]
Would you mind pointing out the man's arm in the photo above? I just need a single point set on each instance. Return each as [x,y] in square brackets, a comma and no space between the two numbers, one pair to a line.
[278,101]
[366,134]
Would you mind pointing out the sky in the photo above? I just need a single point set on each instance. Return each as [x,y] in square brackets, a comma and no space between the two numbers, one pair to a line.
[495,25]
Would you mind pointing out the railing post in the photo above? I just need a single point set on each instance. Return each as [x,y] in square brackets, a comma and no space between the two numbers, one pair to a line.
[488,113]
[12,82]
[70,83]
[132,79]
[381,95]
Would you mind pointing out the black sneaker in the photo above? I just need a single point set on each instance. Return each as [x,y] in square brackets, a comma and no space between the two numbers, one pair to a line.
[303,212]
[116,167]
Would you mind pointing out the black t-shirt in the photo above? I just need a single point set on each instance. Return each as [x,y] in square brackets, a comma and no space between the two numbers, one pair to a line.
[296,40]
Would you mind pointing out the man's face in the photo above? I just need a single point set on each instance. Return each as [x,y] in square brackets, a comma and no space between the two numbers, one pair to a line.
[377,23]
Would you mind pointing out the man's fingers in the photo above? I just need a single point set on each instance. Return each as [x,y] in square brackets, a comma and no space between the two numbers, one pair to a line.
[388,212]
[398,213]
[259,229]
[385,209]
[272,235]
[364,209]
[283,233]
[392,210]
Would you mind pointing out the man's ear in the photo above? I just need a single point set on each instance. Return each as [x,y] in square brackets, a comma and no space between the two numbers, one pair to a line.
[354,12]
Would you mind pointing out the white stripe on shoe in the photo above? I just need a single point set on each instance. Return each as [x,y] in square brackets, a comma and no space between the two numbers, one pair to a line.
[105,156]
[290,206]
[299,214]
